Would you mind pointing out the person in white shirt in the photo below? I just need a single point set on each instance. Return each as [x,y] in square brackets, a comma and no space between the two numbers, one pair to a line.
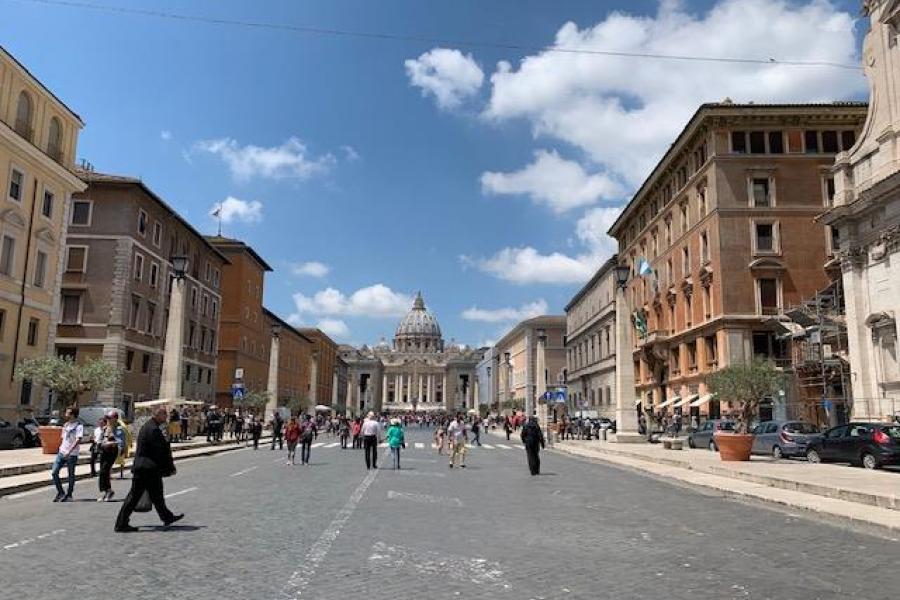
[458,436]
[371,433]
[68,454]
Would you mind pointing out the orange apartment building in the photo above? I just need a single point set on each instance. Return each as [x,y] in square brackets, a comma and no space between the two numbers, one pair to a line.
[327,364]
[726,221]
[294,361]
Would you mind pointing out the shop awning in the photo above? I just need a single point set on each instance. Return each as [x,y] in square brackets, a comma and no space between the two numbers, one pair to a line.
[162,401]
[703,400]
[669,401]
[687,400]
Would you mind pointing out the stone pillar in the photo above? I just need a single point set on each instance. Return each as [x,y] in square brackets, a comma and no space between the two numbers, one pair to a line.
[529,375]
[419,391]
[350,384]
[541,388]
[272,384]
[431,389]
[626,413]
[383,390]
[475,399]
[396,388]
[172,377]
[314,379]
[334,389]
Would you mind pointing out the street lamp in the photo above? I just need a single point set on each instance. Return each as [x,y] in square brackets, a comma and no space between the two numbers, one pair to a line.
[179,266]
[509,390]
[623,273]
[276,330]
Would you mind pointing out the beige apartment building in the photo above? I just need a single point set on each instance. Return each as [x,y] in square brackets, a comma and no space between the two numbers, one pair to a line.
[591,344]
[38,140]
[516,361]
[726,221]
[116,290]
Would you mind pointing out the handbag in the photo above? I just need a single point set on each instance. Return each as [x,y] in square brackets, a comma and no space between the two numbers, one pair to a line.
[144,504]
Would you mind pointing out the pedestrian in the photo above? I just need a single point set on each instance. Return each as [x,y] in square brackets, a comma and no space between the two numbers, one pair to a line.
[68,454]
[396,441]
[458,436]
[476,432]
[277,425]
[256,432]
[112,442]
[533,438]
[96,437]
[307,435]
[370,433]
[152,461]
[507,427]
[354,432]
[292,436]
[440,435]
[238,428]
[185,420]
[344,429]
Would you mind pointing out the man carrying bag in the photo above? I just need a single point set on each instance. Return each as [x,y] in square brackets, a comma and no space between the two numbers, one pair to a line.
[152,461]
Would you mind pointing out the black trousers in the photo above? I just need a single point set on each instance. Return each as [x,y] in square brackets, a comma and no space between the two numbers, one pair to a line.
[534,459]
[153,484]
[370,444]
[95,454]
[304,451]
[508,431]
[107,460]
[280,438]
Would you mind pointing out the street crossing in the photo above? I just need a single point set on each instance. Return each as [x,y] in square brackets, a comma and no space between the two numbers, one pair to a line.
[430,447]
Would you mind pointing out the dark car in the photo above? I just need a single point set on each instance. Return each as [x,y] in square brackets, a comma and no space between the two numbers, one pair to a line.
[869,445]
[702,437]
[11,436]
[783,439]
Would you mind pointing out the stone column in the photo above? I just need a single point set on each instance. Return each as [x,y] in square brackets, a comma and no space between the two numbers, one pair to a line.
[334,389]
[396,388]
[444,392]
[419,391]
[529,375]
[431,389]
[541,388]
[172,377]
[314,379]
[626,413]
[383,390]
[272,384]
[350,384]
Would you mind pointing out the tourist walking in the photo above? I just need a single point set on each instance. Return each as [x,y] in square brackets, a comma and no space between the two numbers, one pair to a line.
[354,432]
[292,437]
[96,438]
[277,426]
[458,436]
[440,436]
[68,454]
[370,433]
[476,432]
[112,442]
[396,441]
[533,438]
[507,427]
[152,461]
[307,435]
[344,429]
[256,431]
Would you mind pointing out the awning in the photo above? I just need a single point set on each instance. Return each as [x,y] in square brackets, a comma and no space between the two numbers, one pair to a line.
[687,399]
[669,401]
[162,401]
[322,408]
[703,400]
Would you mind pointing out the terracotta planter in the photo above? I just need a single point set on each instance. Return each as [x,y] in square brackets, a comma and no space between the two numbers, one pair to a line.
[51,438]
[734,446]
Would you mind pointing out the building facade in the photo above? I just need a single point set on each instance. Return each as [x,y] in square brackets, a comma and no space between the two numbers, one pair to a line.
[515,359]
[116,287]
[865,216]
[38,140]
[486,378]
[294,362]
[591,343]
[725,223]
[416,373]
[324,364]
[245,337]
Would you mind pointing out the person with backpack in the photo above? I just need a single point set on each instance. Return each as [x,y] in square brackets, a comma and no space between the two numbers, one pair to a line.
[396,441]
[307,435]
[292,436]
[277,434]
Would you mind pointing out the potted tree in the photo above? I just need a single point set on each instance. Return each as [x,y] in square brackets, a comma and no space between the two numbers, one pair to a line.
[746,384]
[252,400]
[67,379]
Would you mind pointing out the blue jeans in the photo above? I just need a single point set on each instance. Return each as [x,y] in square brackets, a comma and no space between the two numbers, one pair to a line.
[70,462]
[395,456]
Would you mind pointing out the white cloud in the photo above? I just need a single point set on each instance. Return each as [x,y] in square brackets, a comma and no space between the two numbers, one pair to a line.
[310,269]
[449,75]
[624,112]
[350,153]
[374,301]
[165,135]
[525,264]
[334,328]
[290,160]
[559,183]
[498,315]
[234,209]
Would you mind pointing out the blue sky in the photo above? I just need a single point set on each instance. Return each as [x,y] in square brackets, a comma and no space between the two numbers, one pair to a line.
[395,166]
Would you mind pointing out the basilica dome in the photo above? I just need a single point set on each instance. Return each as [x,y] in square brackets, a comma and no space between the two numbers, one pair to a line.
[418,331]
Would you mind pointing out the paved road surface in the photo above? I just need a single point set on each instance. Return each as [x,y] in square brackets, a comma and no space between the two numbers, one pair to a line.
[256,528]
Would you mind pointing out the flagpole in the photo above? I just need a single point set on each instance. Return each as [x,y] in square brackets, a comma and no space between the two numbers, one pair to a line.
[219,215]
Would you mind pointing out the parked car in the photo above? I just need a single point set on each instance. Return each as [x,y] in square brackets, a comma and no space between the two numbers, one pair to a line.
[30,426]
[11,436]
[703,436]
[869,445]
[783,439]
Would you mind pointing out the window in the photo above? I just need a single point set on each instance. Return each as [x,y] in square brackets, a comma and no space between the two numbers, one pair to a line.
[830,142]
[129,360]
[848,138]
[81,212]
[25,396]
[16,185]
[707,301]
[134,318]
[688,310]
[71,308]
[192,329]
[145,363]
[154,274]
[684,218]
[23,116]
[738,142]
[203,339]
[668,232]
[47,206]
[811,140]
[828,191]
[776,142]
[834,239]
[701,202]
[890,367]
[187,372]
[40,269]
[704,248]
[208,272]
[157,234]
[138,267]
[675,360]
[215,308]
[712,349]
[142,222]
[7,255]
[54,140]
[216,278]
[2,322]
[757,142]
[205,305]
[33,327]
[767,291]
[194,298]
[765,237]
[151,318]
[209,377]
[685,262]
[692,355]
[76,259]
[760,192]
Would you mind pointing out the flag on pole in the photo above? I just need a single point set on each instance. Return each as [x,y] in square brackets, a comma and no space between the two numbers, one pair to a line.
[644,268]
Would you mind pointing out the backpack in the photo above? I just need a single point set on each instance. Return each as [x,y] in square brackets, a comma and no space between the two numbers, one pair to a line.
[306,432]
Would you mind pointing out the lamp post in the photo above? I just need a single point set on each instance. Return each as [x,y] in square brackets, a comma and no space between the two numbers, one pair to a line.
[272,385]
[490,388]
[626,419]
[509,390]
[541,387]
[171,380]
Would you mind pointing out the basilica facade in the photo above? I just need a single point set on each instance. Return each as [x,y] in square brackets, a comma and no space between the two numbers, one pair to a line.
[415,373]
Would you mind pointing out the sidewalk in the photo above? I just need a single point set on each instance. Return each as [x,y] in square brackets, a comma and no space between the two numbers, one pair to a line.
[28,468]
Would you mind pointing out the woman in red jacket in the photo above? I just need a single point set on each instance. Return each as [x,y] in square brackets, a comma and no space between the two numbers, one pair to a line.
[292,436]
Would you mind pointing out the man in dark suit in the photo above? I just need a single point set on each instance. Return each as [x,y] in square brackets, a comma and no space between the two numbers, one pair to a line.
[152,461]
[533,438]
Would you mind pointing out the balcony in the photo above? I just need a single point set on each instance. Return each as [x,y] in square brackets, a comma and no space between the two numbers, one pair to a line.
[654,336]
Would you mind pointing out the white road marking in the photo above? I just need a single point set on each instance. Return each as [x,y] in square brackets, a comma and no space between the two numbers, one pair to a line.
[383,445]
[332,445]
[178,493]
[27,541]
[504,446]
[424,498]
[247,470]
[318,445]
[460,568]
[28,493]
[488,446]
[419,445]
[421,473]
[301,578]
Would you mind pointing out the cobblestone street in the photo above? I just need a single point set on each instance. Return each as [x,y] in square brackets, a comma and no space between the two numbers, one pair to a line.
[256,528]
